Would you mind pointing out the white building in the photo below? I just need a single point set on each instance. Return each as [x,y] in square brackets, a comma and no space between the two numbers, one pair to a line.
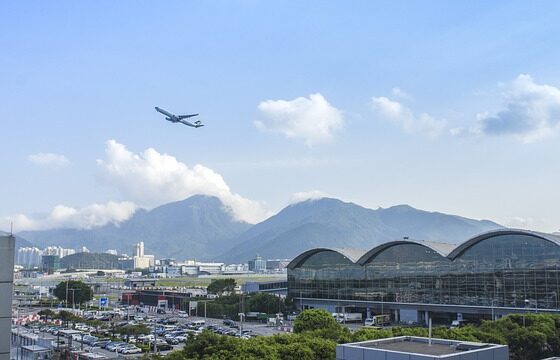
[193,267]
[141,260]
[29,257]
[57,250]
[7,255]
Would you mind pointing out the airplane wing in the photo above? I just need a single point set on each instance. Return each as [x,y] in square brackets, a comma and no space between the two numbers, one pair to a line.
[181,117]
[161,111]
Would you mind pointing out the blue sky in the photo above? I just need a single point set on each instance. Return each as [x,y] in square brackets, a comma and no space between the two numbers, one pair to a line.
[447,106]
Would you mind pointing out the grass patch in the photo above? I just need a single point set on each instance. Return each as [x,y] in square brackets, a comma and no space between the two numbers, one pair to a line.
[187,281]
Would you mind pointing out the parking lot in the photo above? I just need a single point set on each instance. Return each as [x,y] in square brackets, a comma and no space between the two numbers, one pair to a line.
[168,331]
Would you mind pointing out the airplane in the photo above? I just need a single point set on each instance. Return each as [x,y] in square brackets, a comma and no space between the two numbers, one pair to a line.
[179,118]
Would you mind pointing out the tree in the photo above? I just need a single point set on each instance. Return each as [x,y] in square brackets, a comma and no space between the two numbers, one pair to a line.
[47,313]
[265,303]
[67,316]
[220,286]
[295,351]
[314,319]
[132,330]
[73,291]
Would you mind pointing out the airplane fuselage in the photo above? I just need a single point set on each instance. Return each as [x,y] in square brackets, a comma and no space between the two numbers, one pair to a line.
[179,118]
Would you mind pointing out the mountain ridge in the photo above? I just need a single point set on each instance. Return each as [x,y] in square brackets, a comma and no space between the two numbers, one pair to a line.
[201,227]
[183,229]
[329,222]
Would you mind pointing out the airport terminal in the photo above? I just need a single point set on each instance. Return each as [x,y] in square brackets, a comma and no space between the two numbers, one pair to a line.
[490,275]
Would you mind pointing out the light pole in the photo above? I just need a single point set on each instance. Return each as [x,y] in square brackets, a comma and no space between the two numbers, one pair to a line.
[73,298]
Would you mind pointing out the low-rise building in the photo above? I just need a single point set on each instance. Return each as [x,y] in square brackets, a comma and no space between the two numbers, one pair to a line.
[419,348]
[257,264]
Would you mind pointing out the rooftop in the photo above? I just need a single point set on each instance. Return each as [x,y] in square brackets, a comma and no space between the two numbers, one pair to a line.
[412,345]
[438,348]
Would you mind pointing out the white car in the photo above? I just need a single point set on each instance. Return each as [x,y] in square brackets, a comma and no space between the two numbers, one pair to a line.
[131,350]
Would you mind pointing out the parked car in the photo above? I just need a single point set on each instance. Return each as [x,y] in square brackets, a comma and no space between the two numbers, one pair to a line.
[131,350]
[161,346]
[228,322]
[172,340]
[183,314]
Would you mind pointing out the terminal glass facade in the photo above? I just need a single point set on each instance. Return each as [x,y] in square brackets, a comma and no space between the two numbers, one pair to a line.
[507,270]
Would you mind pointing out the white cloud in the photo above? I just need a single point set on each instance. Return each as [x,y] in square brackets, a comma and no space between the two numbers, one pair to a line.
[531,111]
[151,178]
[405,118]
[519,222]
[398,92]
[61,216]
[311,119]
[307,195]
[48,159]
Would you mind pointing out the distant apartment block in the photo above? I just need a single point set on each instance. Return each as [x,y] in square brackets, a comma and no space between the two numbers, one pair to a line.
[28,257]
[59,251]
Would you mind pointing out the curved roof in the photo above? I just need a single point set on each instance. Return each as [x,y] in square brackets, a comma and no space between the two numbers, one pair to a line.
[475,240]
[440,248]
[450,251]
[351,254]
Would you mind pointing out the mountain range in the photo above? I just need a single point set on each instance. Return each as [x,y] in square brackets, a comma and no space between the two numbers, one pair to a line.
[20,242]
[201,227]
[330,222]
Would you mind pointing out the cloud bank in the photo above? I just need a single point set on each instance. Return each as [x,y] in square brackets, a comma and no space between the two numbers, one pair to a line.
[48,159]
[404,117]
[307,195]
[150,179]
[531,111]
[313,120]
[61,216]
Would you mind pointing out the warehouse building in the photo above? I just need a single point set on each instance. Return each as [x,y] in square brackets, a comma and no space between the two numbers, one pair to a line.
[493,274]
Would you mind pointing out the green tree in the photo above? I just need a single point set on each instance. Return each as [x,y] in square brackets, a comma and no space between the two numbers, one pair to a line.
[46,313]
[67,316]
[73,291]
[265,303]
[220,286]
[132,330]
[314,319]
[322,349]
[295,351]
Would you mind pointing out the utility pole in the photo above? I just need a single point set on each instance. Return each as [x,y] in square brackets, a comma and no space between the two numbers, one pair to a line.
[155,336]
